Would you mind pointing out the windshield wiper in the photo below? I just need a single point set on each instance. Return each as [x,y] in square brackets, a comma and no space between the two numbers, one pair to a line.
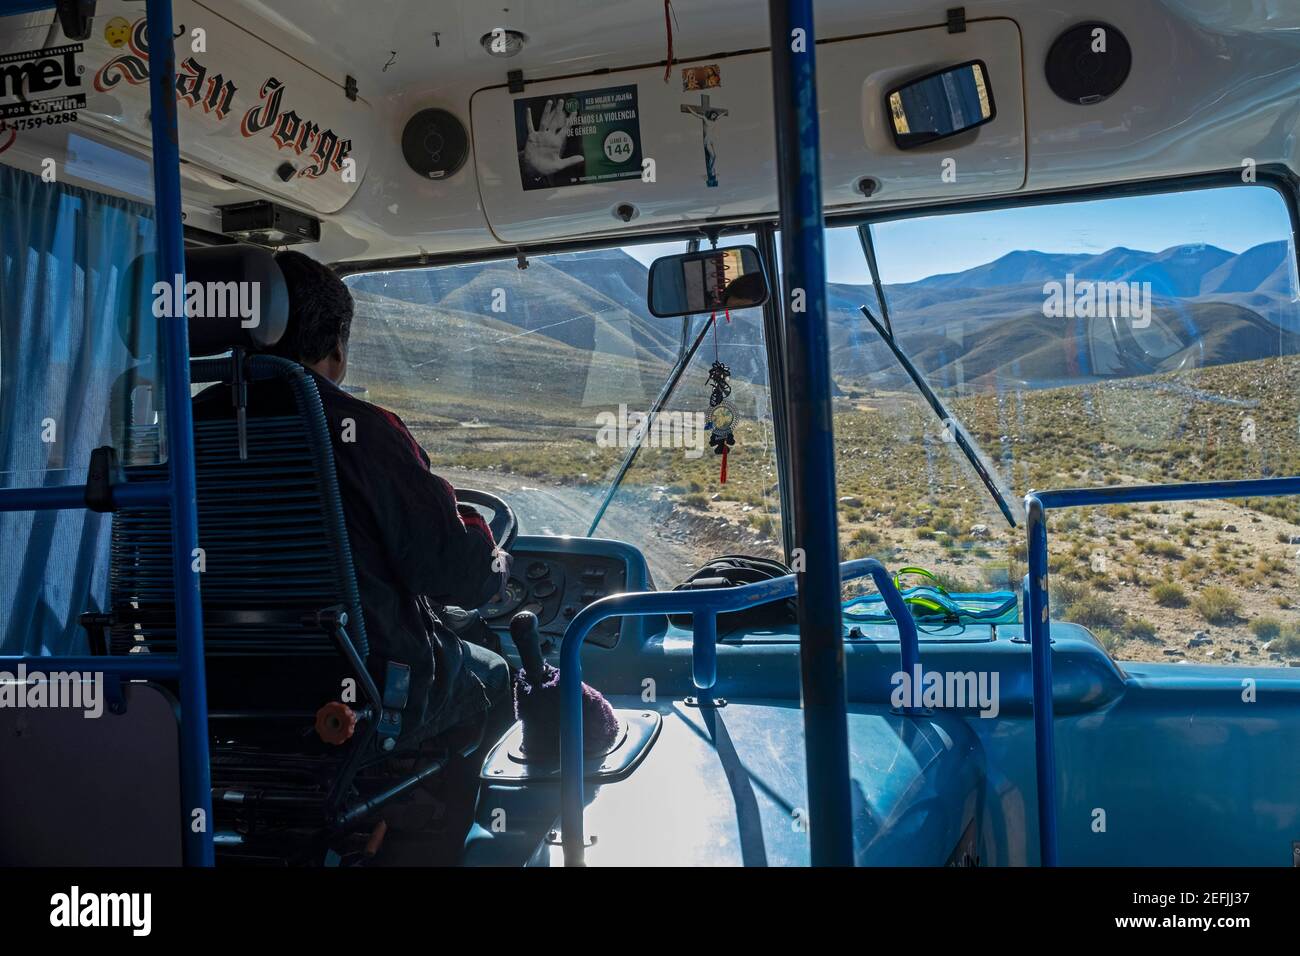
[670,383]
[685,352]
[950,422]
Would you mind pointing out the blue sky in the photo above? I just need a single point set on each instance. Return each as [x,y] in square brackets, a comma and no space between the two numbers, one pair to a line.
[1233,218]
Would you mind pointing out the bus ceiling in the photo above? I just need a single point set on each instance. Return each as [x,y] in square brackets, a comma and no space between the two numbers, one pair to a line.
[462,129]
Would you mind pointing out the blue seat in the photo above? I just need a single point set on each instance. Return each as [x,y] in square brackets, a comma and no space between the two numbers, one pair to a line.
[284,630]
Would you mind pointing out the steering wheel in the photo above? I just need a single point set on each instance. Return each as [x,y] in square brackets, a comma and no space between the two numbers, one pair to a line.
[503,524]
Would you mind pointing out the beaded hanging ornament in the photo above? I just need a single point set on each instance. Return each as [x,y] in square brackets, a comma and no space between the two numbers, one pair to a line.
[722,415]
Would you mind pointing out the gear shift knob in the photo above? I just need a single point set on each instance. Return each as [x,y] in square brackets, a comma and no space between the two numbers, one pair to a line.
[528,642]
[537,700]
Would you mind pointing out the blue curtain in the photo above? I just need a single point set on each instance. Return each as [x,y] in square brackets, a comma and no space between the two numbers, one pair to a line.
[65,254]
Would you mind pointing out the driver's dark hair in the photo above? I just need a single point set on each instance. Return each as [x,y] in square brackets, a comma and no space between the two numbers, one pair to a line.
[320,309]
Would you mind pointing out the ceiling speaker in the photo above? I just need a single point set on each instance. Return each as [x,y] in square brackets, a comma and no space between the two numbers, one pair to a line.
[435,143]
[1088,63]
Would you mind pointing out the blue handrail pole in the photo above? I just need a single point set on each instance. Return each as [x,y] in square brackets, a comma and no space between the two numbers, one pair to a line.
[1037,614]
[825,709]
[703,606]
[704,651]
[1040,661]
[196,787]
[137,494]
[1181,491]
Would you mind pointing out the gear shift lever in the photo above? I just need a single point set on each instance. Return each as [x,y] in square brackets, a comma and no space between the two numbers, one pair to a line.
[528,642]
[537,700]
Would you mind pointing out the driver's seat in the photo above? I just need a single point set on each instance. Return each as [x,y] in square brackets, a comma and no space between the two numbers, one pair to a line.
[304,735]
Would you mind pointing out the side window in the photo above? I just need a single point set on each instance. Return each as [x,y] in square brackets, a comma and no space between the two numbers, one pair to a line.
[1146,339]
[78,336]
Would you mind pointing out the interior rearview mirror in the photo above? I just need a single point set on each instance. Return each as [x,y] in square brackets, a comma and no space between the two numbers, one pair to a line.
[712,281]
[940,105]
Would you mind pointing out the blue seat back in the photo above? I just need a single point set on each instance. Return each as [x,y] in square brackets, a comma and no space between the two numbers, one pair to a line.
[274,549]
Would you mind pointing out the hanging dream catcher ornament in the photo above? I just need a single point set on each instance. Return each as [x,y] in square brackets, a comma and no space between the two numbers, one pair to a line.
[722,415]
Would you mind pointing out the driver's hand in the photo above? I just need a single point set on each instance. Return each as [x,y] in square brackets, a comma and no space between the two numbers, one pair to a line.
[502,563]
[541,154]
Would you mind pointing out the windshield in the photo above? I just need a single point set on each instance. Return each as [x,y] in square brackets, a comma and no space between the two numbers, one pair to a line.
[538,382]
[1143,339]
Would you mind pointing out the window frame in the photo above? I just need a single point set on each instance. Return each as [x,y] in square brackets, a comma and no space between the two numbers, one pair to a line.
[1274,175]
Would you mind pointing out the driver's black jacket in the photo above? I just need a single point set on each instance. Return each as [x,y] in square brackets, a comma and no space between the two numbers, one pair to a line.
[413,546]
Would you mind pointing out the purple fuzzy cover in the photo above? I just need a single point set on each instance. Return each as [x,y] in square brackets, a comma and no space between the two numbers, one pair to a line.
[539,709]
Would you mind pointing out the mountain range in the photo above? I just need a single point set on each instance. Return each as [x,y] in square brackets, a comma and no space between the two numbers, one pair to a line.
[1209,306]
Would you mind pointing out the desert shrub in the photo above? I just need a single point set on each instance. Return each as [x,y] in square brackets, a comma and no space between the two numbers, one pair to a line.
[1217,605]
[1266,628]
[1131,575]
[1163,548]
[1288,642]
[1092,610]
[1168,594]
[1138,628]
[865,536]
[996,576]
[954,584]
[1109,639]
[1064,592]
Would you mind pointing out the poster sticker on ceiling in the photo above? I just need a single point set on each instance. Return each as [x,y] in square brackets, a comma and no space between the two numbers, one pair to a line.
[45,86]
[592,136]
[701,77]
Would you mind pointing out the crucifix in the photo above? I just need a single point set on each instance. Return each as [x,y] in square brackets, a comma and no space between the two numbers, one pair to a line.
[708,115]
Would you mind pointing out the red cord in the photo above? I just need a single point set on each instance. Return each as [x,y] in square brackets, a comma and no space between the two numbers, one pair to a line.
[722,478]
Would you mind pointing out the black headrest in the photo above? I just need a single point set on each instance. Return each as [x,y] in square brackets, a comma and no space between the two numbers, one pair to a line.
[244,300]
[259,294]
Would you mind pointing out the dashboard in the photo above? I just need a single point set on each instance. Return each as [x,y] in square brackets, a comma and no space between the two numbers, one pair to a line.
[555,586]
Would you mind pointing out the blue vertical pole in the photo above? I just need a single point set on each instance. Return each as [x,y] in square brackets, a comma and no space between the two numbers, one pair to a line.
[794,83]
[1040,660]
[704,651]
[196,789]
